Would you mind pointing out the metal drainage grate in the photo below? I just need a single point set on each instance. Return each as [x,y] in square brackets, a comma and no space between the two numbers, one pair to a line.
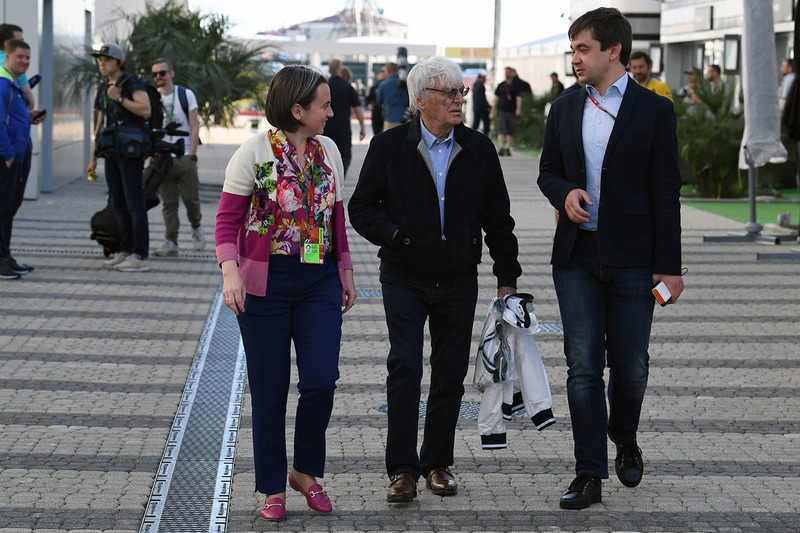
[196,470]
[375,294]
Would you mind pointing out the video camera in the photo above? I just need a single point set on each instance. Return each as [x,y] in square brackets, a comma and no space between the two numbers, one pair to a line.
[160,146]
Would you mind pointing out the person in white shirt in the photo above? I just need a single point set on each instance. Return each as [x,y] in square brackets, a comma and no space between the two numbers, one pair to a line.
[787,71]
[180,105]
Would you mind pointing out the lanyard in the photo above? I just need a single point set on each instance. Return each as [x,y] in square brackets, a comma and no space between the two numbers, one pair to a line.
[601,108]
[171,107]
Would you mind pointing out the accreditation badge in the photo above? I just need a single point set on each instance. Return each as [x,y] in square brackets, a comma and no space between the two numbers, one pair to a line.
[311,246]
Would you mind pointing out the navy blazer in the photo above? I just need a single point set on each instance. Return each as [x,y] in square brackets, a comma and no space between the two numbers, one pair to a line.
[639,213]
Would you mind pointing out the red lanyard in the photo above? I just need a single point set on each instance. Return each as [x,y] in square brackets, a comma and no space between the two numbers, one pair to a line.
[601,108]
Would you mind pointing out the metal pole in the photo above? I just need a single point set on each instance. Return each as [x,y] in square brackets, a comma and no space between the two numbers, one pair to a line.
[496,43]
[752,227]
[46,93]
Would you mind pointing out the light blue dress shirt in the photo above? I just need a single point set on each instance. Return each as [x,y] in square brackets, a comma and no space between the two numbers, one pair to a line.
[440,151]
[597,126]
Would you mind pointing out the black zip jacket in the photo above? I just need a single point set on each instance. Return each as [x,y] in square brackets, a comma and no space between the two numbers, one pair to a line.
[396,191]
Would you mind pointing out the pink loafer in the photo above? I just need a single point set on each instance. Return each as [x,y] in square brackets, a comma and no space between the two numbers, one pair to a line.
[316,498]
[274,510]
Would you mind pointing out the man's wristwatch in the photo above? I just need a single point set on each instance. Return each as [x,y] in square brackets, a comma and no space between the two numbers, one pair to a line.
[120,99]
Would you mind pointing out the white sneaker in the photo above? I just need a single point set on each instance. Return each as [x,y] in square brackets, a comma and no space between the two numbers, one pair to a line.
[116,259]
[198,239]
[133,263]
[168,249]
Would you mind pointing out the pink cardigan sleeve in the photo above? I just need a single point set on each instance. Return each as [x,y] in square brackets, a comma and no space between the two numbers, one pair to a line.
[340,234]
[230,220]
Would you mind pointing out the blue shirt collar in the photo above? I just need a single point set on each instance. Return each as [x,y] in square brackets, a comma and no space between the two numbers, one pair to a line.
[429,138]
[621,84]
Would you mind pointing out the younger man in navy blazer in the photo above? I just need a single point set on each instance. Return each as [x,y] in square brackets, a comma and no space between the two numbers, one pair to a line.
[610,167]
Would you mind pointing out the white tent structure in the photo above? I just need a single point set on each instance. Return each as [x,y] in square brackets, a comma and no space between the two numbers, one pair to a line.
[761,142]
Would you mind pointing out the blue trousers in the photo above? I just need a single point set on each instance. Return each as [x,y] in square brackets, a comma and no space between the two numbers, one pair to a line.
[302,304]
[125,187]
[607,315]
[450,312]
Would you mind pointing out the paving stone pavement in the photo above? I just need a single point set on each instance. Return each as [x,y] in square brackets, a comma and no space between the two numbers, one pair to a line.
[94,363]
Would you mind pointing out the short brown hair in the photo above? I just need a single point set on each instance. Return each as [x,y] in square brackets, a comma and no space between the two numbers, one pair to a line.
[294,84]
[609,26]
[13,44]
[162,60]
[7,32]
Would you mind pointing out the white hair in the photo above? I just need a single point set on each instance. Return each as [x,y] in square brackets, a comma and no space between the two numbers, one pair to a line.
[429,71]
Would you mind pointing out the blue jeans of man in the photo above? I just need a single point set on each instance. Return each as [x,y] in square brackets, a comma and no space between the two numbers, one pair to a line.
[607,314]
[450,311]
[302,304]
[125,187]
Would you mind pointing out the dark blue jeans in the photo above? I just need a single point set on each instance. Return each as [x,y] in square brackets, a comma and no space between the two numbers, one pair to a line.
[302,305]
[125,187]
[450,312]
[607,315]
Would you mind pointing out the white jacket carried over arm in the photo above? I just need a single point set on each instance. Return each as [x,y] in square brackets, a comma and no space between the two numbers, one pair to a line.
[508,366]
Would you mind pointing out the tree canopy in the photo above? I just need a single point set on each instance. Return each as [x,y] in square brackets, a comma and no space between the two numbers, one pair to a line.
[220,70]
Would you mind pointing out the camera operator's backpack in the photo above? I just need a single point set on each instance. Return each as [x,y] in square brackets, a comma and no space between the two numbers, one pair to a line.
[156,118]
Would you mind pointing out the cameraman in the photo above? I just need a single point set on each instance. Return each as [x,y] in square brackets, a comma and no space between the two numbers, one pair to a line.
[123,100]
[180,105]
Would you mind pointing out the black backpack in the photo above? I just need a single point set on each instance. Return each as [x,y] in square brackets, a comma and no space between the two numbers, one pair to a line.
[156,118]
[185,105]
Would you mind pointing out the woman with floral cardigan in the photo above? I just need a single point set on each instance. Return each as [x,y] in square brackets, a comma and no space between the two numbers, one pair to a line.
[281,219]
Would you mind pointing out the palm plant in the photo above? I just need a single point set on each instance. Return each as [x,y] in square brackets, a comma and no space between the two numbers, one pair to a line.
[218,69]
[530,125]
[709,135]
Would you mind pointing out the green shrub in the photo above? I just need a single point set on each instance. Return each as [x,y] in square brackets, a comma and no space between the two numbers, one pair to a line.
[709,135]
[530,124]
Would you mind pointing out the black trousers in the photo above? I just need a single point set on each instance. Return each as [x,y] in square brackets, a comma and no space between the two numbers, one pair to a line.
[450,312]
[481,115]
[14,180]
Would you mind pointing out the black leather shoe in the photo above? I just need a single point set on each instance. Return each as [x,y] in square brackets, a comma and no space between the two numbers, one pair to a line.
[402,489]
[22,268]
[582,492]
[441,482]
[628,464]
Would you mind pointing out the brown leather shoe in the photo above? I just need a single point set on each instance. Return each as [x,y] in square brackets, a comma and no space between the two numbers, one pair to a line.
[403,488]
[441,482]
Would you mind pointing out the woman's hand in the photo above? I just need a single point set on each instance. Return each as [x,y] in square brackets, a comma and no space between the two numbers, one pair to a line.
[348,291]
[232,287]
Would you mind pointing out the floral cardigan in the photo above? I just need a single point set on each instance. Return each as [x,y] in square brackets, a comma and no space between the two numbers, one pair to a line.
[247,239]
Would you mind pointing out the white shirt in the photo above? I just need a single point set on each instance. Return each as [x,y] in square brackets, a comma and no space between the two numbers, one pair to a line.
[596,129]
[173,112]
[783,90]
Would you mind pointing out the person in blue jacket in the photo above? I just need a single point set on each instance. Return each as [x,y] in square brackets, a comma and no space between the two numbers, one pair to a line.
[15,127]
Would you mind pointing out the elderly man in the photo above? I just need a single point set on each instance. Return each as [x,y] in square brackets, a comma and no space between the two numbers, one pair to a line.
[430,174]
